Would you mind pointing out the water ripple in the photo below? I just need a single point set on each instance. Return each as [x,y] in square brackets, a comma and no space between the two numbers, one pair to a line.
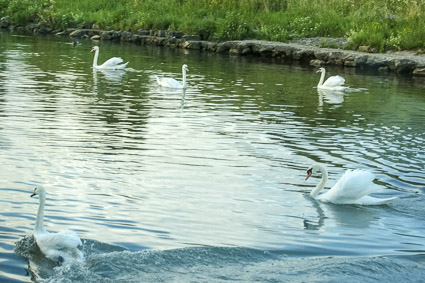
[221,164]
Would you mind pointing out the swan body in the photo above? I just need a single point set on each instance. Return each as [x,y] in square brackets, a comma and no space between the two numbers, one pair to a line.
[352,188]
[112,64]
[333,83]
[60,246]
[172,83]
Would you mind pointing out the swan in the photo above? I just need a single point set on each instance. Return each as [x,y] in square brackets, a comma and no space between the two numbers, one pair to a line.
[172,83]
[334,82]
[352,188]
[112,64]
[60,246]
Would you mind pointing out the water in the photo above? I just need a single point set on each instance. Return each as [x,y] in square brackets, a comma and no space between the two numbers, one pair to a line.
[206,185]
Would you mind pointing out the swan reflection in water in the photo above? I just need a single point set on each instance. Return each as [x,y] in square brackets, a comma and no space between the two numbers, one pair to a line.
[172,93]
[113,76]
[329,96]
[183,98]
[109,75]
[342,215]
[334,96]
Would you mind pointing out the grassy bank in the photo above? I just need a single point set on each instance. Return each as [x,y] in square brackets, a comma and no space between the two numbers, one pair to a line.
[380,24]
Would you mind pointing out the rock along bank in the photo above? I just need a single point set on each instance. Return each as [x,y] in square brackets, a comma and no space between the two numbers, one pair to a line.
[406,63]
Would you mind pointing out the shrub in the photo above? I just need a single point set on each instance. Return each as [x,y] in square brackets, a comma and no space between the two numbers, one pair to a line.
[233,26]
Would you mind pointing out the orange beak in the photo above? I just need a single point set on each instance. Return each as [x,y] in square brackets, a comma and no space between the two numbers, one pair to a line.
[308,175]
[318,71]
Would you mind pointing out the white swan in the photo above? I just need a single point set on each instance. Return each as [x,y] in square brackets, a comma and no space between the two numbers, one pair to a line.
[334,82]
[60,246]
[352,188]
[112,64]
[172,83]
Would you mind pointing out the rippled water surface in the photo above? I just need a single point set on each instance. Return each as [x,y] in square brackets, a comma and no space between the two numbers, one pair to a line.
[207,184]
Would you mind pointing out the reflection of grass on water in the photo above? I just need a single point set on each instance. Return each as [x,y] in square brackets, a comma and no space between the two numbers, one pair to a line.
[378,24]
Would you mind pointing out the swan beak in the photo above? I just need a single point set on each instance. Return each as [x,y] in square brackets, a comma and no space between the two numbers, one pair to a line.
[34,194]
[309,172]
[308,176]
[92,50]
[318,71]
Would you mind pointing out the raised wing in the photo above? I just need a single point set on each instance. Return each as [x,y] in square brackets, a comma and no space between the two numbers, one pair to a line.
[334,81]
[113,63]
[351,187]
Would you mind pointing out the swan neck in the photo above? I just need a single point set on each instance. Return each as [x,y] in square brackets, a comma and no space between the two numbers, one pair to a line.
[322,78]
[39,227]
[184,78]
[96,55]
[314,193]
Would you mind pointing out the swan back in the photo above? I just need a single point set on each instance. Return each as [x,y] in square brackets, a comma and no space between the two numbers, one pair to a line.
[113,64]
[60,246]
[351,187]
[334,81]
[169,82]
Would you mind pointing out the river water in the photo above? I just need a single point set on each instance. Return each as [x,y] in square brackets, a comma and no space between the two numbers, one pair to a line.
[205,185]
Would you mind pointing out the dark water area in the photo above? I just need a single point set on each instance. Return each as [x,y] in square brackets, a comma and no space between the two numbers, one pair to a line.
[206,184]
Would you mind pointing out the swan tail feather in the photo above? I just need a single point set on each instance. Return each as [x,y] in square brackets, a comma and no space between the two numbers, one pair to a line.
[124,65]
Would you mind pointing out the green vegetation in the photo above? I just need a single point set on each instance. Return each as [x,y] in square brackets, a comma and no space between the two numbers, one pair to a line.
[379,24]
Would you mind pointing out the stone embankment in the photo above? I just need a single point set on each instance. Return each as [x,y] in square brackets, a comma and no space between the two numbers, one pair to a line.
[304,52]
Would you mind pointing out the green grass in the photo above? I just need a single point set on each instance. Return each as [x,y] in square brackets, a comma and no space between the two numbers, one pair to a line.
[380,24]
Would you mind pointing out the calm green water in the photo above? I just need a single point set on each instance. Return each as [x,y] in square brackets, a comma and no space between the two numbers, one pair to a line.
[206,185]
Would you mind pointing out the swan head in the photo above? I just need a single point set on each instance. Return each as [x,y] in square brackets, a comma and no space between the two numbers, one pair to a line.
[95,48]
[38,191]
[313,169]
[321,70]
[184,67]
[309,173]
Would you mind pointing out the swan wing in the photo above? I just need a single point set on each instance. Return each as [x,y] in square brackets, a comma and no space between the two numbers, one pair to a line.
[57,241]
[60,246]
[113,63]
[334,81]
[351,187]
[169,82]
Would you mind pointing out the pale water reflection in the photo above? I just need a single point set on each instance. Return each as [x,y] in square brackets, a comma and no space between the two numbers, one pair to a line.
[330,96]
[218,169]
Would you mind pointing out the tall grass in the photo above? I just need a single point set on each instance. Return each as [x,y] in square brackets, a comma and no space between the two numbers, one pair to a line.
[379,24]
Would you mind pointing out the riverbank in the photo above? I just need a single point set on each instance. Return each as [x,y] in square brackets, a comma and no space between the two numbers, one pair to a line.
[305,51]
[373,25]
